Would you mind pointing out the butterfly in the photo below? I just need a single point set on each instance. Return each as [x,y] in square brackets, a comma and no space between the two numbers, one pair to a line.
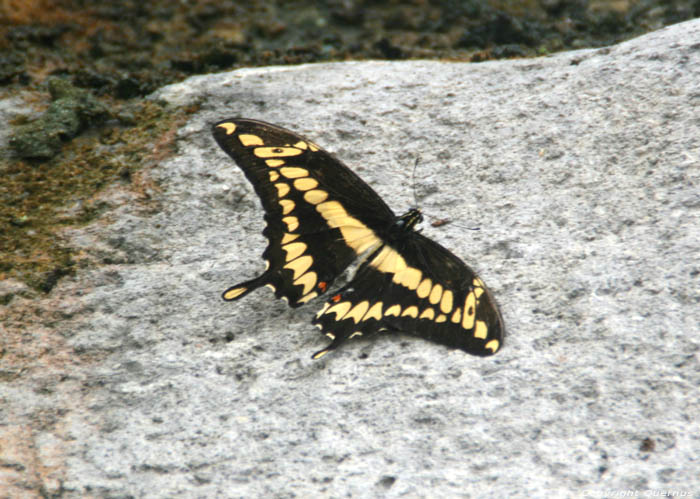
[321,217]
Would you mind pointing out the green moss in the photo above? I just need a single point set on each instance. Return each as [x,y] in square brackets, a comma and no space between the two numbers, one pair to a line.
[41,197]
[71,111]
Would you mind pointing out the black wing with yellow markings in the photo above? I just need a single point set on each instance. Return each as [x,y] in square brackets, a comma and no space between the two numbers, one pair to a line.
[413,284]
[321,217]
[301,188]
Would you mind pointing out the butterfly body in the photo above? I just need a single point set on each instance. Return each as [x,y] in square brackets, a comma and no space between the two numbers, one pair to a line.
[321,217]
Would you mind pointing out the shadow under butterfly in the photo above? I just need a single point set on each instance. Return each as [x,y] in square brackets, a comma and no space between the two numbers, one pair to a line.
[321,217]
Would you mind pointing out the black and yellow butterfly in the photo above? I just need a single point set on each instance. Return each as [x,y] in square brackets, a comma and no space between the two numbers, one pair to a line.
[321,217]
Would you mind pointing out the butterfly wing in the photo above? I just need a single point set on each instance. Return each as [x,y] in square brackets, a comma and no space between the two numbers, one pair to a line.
[313,206]
[416,286]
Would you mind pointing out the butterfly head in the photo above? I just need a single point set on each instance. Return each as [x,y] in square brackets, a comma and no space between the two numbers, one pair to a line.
[409,220]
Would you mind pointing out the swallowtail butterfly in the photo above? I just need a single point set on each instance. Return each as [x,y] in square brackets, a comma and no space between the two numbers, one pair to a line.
[321,217]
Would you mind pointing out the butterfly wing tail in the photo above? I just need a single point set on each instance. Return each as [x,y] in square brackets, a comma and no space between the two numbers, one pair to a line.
[240,290]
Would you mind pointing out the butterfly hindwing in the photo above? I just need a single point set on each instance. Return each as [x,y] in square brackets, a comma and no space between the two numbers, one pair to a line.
[418,287]
[320,217]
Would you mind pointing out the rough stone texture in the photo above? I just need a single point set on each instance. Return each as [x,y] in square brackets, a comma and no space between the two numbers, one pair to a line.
[581,170]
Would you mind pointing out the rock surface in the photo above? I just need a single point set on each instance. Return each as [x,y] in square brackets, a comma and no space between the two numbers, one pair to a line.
[581,171]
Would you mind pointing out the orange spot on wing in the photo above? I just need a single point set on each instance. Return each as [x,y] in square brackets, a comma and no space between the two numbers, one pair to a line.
[323,286]
[336,298]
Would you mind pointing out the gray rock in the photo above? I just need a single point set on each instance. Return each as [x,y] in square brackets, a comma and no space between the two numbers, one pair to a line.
[581,170]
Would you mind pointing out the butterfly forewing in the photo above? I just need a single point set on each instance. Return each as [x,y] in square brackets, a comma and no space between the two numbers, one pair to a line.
[320,217]
[312,203]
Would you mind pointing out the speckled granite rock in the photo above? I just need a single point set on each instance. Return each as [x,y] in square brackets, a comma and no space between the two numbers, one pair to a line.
[581,170]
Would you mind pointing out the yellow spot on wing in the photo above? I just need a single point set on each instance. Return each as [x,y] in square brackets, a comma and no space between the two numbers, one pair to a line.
[469,311]
[424,288]
[294,250]
[411,311]
[293,172]
[340,309]
[457,316]
[388,261]
[393,310]
[274,176]
[308,280]
[234,293]
[292,223]
[353,233]
[274,162]
[229,127]
[300,145]
[334,213]
[287,206]
[357,311]
[250,140]
[305,184]
[441,318]
[446,302]
[481,330]
[358,238]
[409,277]
[313,147]
[323,310]
[375,312]
[276,152]
[492,345]
[308,297]
[282,189]
[428,313]
[288,238]
[435,294]
[299,266]
[314,197]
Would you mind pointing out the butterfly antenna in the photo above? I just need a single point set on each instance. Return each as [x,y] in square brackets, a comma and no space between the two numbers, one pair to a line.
[413,182]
